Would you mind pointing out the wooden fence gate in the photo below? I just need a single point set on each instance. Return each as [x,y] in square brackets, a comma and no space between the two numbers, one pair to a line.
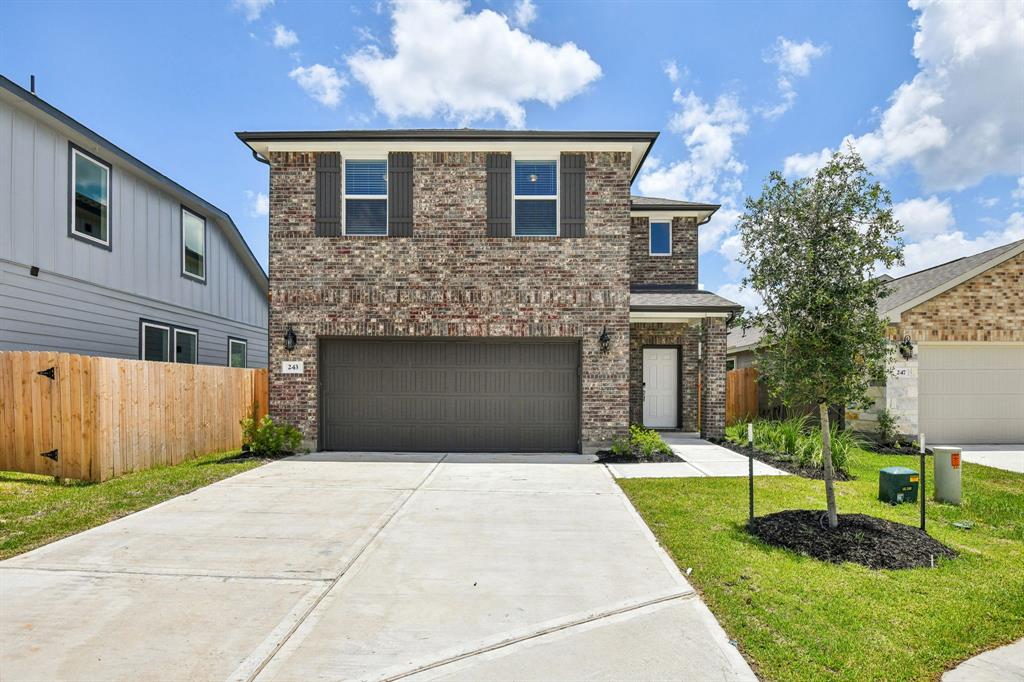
[94,418]
[740,395]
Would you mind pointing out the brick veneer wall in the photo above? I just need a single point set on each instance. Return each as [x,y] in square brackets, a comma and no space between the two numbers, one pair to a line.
[989,307]
[679,268]
[686,338]
[450,280]
[712,377]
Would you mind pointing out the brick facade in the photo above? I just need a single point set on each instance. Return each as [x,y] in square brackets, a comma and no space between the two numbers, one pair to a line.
[450,280]
[712,377]
[679,268]
[686,338]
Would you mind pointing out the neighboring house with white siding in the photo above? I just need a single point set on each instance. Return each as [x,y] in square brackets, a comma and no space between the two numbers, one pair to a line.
[100,254]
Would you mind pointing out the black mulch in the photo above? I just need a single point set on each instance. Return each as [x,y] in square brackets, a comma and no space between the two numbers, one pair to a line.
[781,462]
[866,540]
[608,457]
[880,449]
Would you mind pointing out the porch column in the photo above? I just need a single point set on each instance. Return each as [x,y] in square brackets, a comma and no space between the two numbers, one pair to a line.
[712,377]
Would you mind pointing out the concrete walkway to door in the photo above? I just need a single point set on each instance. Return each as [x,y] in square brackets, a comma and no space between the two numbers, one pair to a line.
[367,567]
[698,458]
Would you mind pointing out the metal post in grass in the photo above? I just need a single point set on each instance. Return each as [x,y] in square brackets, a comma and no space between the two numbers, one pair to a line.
[921,488]
[750,468]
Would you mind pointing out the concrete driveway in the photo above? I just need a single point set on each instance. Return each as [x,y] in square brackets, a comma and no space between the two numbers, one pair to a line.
[341,567]
[1008,457]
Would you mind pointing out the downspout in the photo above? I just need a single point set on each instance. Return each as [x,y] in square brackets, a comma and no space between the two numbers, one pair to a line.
[259,158]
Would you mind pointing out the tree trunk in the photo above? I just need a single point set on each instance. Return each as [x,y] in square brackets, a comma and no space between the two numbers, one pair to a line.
[826,459]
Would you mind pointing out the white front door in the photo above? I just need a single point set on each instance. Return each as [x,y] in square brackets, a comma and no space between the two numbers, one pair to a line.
[661,388]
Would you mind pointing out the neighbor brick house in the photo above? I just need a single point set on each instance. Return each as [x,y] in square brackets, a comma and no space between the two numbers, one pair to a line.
[471,290]
[960,327]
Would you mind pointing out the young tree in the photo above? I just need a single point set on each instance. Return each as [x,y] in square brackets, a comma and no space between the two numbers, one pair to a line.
[811,247]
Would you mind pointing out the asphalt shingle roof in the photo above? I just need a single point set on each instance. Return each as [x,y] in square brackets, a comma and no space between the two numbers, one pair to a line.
[692,300]
[639,202]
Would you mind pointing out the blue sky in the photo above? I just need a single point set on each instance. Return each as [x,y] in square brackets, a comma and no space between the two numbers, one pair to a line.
[931,94]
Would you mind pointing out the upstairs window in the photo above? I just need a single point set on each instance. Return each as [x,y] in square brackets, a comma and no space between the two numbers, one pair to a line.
[366,197]
[90,198]
[193,245]
[661,238]
[535,199]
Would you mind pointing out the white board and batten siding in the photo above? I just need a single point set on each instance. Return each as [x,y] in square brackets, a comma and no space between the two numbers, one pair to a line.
[971,393]
[88,300]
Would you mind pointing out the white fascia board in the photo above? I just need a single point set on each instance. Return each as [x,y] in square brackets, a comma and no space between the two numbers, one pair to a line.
[668,215]
[895,314]
[659,316]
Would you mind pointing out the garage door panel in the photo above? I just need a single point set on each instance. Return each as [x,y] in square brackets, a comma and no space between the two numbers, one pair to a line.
[971,393]
[453,395]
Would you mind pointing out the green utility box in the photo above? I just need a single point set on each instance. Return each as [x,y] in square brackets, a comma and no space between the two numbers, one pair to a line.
[897,485]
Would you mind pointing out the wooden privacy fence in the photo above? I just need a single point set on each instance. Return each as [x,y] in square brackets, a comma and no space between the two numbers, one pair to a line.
[92,418]
[740,395]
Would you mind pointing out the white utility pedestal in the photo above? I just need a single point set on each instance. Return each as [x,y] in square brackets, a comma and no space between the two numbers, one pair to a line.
[947,475]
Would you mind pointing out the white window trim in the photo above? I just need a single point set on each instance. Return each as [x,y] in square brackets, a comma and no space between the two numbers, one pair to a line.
[345,196]
[74,183]
[167,348]
[557,197]
[184,270]
[650,246]
[245,351]
[175,345]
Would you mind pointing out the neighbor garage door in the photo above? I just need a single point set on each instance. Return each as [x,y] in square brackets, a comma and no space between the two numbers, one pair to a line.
[450,396]
[971,393]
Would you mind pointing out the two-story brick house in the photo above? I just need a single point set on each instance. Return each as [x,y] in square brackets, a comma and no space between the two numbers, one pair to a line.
[472,290]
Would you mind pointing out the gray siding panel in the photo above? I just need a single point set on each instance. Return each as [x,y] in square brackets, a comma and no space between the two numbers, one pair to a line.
[499,195]
[328,195]
[145,259]
[52,312]
[573,195]
[400,194]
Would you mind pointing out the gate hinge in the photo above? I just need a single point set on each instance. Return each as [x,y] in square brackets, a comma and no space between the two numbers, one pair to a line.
[48,373]
[52,454]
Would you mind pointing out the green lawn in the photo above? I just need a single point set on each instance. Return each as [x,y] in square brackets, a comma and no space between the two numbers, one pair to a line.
[34,510]
[797,618]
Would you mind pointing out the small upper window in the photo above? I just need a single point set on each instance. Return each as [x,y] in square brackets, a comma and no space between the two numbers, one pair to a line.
[193,245]
[661,239]
[535,194]
[156,341]
[90,187]
[236,352]
[366,197]
[186,346]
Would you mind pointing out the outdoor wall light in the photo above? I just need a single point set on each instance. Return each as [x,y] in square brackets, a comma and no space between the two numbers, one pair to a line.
[604,340]
[906,348]
[289,339]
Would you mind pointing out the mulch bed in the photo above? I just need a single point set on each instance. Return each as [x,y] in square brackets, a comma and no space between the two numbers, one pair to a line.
[880,449]
[780,462]
[608,457]
[866,540]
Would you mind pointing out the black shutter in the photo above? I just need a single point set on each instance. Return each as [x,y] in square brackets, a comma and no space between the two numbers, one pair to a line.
[400,194]
[328,195]
[499,195]
[574,195]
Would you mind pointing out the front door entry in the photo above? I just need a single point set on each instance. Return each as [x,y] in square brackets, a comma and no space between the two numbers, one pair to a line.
[661,388]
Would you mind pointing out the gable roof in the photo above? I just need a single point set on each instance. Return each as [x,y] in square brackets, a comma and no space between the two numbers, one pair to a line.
[309,140]
[910,290]
[20,95]
[638,202]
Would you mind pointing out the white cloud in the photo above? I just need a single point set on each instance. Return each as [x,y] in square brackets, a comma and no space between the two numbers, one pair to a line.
[946,247]
[674,73]
[259,204]
[792,60]
[924,218]
[524,13]
[799,165]
[745,296]
[467,67]
[252,8]
[954,122]
[322,83]
[1018,194]
[988,202]
[284,37]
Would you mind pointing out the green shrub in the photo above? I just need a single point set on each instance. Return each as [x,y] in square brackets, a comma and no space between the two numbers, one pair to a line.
[644,442]
[267,438]
[620,446]
[792,439]
[886,427]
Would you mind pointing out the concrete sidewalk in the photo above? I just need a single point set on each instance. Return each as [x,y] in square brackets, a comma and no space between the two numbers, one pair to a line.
[310,568]
[1005,664]
[698,458]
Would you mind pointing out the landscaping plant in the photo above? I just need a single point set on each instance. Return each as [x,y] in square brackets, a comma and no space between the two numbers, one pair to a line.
[886,428]
[811,247]
[267,438]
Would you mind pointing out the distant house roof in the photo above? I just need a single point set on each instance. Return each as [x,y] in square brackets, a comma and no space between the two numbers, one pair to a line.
[910,290]
[679,299]
[234,237]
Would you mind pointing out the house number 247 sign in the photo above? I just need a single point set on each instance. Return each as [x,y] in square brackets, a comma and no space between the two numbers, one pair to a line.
[291,367]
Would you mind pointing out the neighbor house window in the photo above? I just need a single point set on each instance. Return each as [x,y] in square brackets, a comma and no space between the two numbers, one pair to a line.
[90,198]
[193,245]
[366,197]
[156,342]
[237,348]
[186,346]
[535,198]
[730,364]
[661,238]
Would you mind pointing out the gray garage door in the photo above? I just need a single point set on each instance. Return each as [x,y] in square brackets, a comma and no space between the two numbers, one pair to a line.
[450,396]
